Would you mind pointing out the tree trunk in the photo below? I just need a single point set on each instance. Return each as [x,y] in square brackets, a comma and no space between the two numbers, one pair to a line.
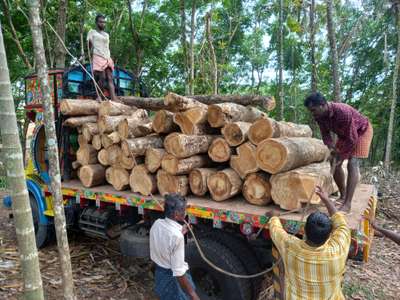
[278,155]
[143,182]
[198,180]
[182,145]
[51,138]
[280,63]
[163,122]
[153,159]
[224,184]
[181,103]
[13,161]
[265,102]
[79,121]
[108,124]
[235,133]
[112,108]
[214,70]
[184,44]
[86,155]
[219,150]
[81,31]
[92,175]
[290,189]
[334,55]
[244,162]
[59,51]
[175,166]
[191,49]
[114,154]
[167,183]
[220,114]
[102,157]
[74,107]
[388,150]
[118,178]
[129,127]
[257,189]
[266,128]
[89,130]
[312,48]
[138,146]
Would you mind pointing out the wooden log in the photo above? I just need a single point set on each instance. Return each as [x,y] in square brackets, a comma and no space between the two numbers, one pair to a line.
[129,162]
[181,103]
[96,142]
[112,108]
[114,137]
[108,124]
[257,189]
[142,181]
[277,155]
[106,142]
[153,159]
[266,128]
[92,175]
[198,180]
[76,165]
[224,184]
[182,145]
[163,122]
[144,103]
[167,183]
[114,154]
[235,133]
[79,107]
[291,188]
[193,121]
[89,130]
[176,166]
[82,141]
[118,178]
[128,128]
[245,161]
[265,102]
[219,150]
[86,155]
[79,121]
[220,114]
[138,146]
[102,157]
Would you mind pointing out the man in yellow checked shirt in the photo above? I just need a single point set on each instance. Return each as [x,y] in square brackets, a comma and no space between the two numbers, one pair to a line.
[314,267]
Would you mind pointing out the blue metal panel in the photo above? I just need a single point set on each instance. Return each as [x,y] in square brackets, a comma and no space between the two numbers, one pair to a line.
[37,193]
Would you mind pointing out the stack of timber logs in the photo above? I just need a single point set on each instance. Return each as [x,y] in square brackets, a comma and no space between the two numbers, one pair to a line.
[213,146]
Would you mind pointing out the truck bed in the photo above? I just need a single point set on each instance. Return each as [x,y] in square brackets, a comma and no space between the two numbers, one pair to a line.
[236,210]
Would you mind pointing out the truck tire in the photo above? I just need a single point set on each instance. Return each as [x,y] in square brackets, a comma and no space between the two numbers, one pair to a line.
[134,242]
[44,234]
[245,254]
[210,283]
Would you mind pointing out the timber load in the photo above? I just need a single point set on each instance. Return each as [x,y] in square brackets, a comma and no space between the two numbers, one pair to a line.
[220,147]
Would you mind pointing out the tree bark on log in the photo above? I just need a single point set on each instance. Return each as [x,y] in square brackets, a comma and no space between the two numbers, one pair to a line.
[86,155]
[92,175]
[220,114]
[89,130]
[82,141]
[224,184]
[108,124]
[167,183]
[198,180]
[236,133]
[183,146]
[127,128]
[114,137]
[163,122]
[138,146]
[129,162]
[265,102]
[291,188]
[193,121]
[245,161]
[79,107]
[153,159]
[181,103]
[96,142]
[277,155]
[114,154]
[106,141]
[176,166]
[266,128]
[118,178]
[219,150]
[79,121]
[257,189]
[112,108]
[102,157]
[145,103]
[142,181]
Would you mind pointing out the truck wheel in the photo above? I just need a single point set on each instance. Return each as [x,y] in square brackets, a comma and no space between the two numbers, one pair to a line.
[210,283]
[43,233]
[245,254]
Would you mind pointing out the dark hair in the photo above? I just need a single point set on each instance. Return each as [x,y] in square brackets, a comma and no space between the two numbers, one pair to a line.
[99,16]
[173,203]
[318,228]
[314,99]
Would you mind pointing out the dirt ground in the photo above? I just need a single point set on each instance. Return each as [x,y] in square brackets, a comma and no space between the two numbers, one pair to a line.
[100,272]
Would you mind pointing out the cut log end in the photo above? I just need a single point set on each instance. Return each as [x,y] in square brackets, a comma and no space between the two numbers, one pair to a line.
[236,133]
[198,180]
[92,175]
[257,189]
[167,183]
[260,130]
[219,150]
[224,184]
[141,181]
[153,159]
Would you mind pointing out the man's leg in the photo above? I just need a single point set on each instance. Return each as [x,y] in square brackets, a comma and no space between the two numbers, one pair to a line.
[111,87]
[340,181]
[99,77]
[352,180]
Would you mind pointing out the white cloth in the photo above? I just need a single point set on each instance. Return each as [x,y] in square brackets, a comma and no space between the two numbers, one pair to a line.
[167,246]
[101,43]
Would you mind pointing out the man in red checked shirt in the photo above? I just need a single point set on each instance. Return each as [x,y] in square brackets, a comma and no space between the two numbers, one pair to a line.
[354,135]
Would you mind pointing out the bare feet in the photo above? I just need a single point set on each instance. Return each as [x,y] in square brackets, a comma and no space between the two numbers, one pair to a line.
[346,207]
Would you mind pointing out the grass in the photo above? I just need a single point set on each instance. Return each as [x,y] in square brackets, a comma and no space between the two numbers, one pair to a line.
[358,291]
